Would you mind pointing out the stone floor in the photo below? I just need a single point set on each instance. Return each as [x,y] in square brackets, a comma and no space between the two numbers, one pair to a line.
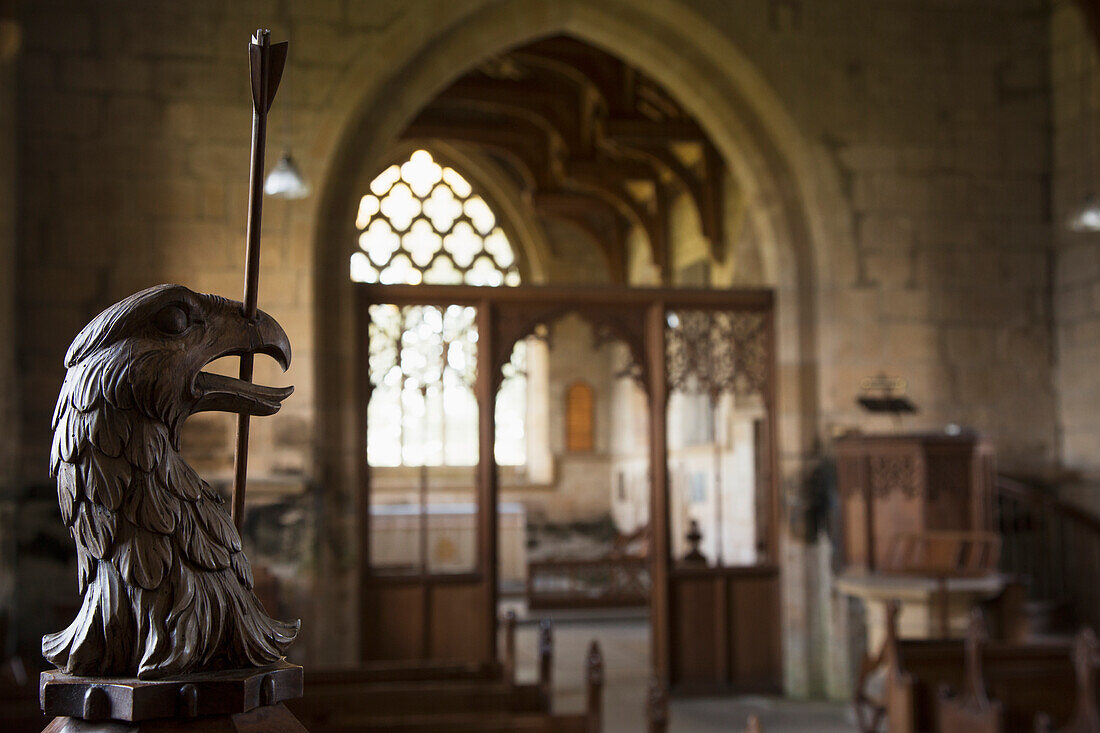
[624,639]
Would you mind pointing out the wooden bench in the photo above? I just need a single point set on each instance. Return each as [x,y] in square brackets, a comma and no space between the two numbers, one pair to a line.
[1027,678]
[973,711]
[1086,716]
[440,697]
[607,582]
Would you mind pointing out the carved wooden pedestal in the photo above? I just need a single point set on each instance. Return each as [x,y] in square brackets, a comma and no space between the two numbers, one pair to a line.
[235,700]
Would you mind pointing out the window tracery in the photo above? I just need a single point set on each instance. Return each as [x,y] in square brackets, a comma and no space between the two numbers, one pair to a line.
[423,222]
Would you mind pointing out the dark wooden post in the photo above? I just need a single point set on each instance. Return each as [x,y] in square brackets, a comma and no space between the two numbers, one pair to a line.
[546,659]
[510,647]
[363,389]
[659,602]
[487,377]
[772,411]
[594,688]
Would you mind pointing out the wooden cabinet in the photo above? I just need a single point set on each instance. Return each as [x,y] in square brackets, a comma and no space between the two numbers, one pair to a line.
[891,484]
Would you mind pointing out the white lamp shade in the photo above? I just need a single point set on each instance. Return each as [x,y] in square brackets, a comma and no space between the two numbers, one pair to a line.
[1086,218]
[285,180]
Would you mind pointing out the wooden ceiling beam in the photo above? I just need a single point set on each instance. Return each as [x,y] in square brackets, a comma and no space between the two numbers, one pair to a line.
[546,108]
[529,154]
[705,186]
[1091,11]
[648,132]
[607,184]
[603,222]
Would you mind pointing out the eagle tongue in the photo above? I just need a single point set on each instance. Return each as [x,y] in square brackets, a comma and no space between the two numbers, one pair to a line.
[220,393]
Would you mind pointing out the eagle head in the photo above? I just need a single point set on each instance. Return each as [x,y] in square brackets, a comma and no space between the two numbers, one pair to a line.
[148,352]
[167,587]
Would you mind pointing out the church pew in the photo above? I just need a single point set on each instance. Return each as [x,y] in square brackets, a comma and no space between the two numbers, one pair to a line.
[1086,712]
[461,698]
[972,711]
[1027,678]
[969,710]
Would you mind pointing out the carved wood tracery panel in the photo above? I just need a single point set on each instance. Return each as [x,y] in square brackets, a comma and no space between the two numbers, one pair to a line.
[717,352]
[609,323]
[894,473]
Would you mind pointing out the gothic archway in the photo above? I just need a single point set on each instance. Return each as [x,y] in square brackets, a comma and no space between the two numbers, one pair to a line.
[797,207]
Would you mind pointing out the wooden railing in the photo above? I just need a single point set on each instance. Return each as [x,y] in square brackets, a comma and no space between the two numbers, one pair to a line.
[1052,545]
[598,583]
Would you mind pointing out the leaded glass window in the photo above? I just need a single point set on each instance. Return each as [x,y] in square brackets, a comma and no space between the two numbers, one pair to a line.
[423,222]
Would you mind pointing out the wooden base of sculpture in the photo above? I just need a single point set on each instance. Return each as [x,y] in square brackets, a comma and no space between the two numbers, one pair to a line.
[266,719]
[234,700]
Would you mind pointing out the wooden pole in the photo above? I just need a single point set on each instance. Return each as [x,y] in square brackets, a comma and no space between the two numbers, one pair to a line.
[265,63]
[660,547]
[488,486]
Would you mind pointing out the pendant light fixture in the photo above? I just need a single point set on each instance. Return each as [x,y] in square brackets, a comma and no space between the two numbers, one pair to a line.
[285,181]
[1086,217]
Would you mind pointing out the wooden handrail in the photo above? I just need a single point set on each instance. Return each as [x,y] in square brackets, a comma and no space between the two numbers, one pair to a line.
[1054,547]
[1030,493]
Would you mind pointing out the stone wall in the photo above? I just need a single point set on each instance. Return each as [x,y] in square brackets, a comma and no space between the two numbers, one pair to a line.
[903,218]
[1075,118]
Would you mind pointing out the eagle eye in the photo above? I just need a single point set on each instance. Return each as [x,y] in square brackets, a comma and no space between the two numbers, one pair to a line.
[171,319]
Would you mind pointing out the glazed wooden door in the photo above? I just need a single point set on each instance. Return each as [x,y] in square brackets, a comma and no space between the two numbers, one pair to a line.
[428,512]
[721,623]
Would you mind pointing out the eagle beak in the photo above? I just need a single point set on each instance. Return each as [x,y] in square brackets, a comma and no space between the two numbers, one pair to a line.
[240,336]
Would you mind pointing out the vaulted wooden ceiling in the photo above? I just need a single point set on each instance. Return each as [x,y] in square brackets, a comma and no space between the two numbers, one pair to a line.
[588,139]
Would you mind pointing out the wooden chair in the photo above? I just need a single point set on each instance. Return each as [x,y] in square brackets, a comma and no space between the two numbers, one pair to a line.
[970,710]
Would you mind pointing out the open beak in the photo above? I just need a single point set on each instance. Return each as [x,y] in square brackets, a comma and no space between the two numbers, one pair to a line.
[240,336]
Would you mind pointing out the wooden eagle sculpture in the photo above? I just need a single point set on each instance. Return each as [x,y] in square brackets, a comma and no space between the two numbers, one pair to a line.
[166,588]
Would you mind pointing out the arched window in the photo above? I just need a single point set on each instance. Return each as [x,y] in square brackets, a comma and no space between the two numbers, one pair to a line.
[579,418]
[423,222]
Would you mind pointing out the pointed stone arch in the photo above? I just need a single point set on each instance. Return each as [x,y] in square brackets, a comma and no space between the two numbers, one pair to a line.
[794,195]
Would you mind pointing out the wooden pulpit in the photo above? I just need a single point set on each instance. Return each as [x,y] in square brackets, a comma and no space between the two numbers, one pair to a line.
[891,485]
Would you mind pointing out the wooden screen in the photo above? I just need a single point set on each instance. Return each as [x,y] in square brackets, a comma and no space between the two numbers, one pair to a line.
[727,615]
